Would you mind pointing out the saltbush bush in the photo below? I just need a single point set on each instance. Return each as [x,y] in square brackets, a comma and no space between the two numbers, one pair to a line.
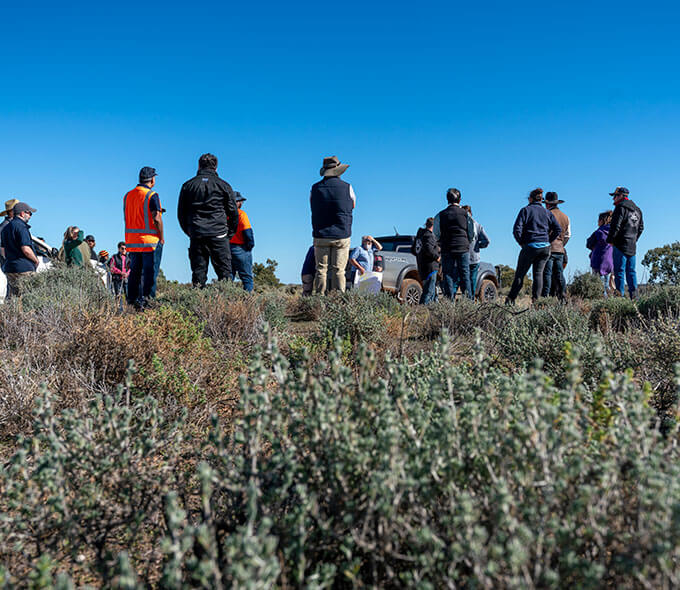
[660,301]
[542,333]
[438,476]
[64,287]
[586,286]
[614,313]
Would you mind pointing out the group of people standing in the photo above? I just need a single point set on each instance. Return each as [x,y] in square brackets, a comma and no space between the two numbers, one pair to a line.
[448,247]
[210,213]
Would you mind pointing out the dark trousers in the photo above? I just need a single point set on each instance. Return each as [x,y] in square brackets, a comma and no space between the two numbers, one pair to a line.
[554,273]
[213,248]
[119,286]
[157,255]
[140,279]
[242,263]
[528,257]
[456,271]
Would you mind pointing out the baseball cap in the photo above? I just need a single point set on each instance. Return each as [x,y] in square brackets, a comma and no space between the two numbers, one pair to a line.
[21,207]
[147,173]
[620,190]
[90,238]
[238,196]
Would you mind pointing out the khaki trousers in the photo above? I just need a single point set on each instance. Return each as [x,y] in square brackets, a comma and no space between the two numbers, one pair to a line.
[331,260]
[15,282]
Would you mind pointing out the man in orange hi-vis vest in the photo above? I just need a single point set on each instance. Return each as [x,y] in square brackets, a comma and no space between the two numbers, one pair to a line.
[143,233]
[242,244]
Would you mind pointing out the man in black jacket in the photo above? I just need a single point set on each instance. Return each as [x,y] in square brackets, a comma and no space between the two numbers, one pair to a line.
[454,229]
[208,214]
[535,228]
[426,250]
[625,229]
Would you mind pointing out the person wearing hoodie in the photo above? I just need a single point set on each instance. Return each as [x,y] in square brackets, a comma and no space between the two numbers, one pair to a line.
[479,240]
[534,230]
[625,229]
[427,254]
[601,262]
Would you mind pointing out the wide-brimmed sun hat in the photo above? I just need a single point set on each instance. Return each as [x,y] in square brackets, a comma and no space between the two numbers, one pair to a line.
[9,205]
[332,167]
[551,198]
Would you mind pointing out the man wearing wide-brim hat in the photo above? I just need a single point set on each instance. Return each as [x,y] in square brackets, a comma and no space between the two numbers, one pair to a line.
[332,202]
[21,260]
[8,214]
[554,267]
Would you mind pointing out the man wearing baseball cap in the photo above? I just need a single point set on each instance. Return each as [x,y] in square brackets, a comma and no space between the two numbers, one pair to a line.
[625,229]
[242,244]
[20,258]
[143,234]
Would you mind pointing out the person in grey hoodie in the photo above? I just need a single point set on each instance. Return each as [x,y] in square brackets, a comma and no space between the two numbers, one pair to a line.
[479,240]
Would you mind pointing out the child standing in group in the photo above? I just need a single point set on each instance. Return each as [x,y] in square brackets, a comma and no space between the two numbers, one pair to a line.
[601,255]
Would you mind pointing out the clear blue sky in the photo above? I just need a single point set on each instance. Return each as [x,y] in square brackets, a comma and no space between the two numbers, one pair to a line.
[494,98]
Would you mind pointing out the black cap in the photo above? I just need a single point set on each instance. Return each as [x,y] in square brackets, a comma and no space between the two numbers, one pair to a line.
[147,173]
[238,196]
[21,207]
[620,190]
[90,238]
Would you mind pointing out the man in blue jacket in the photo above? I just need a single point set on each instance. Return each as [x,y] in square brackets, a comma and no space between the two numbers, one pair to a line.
[332,202]
[535,227]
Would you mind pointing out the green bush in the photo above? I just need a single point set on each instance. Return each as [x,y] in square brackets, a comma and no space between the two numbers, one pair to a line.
[66,287]
[542,333]
[438,476]
[586,286]
[660,301]
[89,481]
[357,317]
[614,313]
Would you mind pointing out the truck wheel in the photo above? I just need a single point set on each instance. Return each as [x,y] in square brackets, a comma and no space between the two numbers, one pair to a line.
[410,292]
[488,291]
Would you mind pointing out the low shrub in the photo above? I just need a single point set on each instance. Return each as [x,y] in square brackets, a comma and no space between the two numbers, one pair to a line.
[660,301]
[586,286]
[542,333]
[357,317]
[64,287]
[614,313]
[86,483]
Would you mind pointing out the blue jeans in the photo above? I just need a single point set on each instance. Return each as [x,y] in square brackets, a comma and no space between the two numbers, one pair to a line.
[140,279]
[429,293]
[456,270]
[157,255]
[242,263]
[624,267]
[474,269]
[554,270]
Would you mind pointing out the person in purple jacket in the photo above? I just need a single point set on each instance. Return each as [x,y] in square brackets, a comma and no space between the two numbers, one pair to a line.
[601,255]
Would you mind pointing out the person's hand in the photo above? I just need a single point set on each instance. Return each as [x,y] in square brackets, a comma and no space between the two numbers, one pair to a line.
[361,271]
[162,241]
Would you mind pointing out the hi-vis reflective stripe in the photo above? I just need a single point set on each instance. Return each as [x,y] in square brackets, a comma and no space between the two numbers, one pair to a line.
[146,210]
[142,231]
[151,245]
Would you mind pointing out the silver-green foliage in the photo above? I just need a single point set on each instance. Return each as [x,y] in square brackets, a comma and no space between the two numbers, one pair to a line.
[432,476]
